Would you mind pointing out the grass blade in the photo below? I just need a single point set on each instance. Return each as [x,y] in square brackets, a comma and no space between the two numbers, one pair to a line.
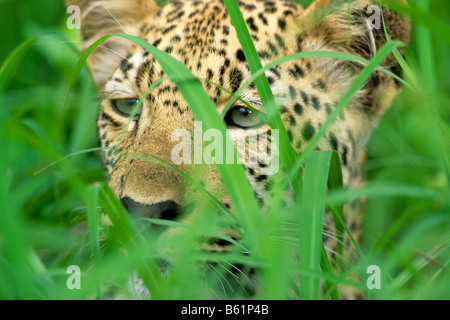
[93,217]
[311,217]
[335,181]
[127,234]
[13,61]
[76,71]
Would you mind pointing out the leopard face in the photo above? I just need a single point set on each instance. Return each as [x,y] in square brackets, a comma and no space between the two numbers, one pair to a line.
[199,34]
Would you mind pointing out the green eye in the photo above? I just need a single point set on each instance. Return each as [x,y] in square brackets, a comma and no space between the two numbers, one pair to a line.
[242,117]
[126,107]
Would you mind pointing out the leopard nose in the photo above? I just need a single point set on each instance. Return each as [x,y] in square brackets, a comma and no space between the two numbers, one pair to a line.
[166,210]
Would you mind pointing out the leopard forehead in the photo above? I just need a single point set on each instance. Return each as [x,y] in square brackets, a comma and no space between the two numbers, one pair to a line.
[200,35]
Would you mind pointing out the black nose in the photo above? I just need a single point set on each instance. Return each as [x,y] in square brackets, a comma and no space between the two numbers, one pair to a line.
[167,210]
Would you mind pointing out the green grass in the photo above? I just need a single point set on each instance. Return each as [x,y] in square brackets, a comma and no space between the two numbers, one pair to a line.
[53,190]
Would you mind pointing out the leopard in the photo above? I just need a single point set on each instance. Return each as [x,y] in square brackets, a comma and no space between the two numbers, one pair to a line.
[200,35]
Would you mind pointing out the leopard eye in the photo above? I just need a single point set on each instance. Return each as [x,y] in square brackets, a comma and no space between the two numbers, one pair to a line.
[242,117]
[127,107]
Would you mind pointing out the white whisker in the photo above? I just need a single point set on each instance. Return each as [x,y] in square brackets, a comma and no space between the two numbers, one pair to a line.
[117,21]
[219,277]
[113,51]
[247,278]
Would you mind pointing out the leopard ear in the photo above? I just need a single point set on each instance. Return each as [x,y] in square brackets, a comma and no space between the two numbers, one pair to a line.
[356,27]
[99,18]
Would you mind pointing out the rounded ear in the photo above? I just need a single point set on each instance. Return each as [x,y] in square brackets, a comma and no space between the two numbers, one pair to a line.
[100,17]
[354,26]
[357,27]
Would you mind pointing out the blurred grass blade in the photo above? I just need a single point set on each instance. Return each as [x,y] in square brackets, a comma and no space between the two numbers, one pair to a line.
[413,82]
[127,234]
[80,64]
[13,61]
[335,181]
[23,266]
[327,269]
[311,217]
[93,216]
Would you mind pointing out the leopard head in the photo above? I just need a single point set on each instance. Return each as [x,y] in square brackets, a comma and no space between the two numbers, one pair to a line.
[200,34]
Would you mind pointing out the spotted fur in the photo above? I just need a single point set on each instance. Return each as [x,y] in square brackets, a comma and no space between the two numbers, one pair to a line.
[199,33]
